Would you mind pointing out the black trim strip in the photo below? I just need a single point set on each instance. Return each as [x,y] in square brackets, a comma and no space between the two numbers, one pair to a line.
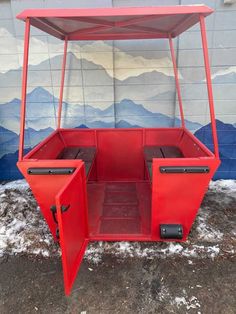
[50,171]
[185,169]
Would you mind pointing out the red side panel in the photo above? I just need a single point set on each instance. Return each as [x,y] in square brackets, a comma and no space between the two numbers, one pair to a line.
[120,154]
[176,197]
[46,187]
[163,136]
[71,203]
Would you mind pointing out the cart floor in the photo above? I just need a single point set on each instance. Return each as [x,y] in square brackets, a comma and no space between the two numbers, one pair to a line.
[118,208]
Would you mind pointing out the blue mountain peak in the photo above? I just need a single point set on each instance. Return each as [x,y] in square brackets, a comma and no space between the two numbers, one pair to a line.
[220,126]
[127,106]
[39,94]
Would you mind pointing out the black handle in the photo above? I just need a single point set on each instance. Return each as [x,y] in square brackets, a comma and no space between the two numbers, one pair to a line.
[50,171]
[184,169]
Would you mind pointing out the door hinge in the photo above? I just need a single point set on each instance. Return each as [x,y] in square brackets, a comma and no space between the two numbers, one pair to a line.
[64,208]
[53,209]
[57,234]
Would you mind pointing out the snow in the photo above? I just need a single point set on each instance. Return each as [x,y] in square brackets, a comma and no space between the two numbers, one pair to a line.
[96,251]
[24,231]
[227,186]
[21,185]
[206,232]
[192,303]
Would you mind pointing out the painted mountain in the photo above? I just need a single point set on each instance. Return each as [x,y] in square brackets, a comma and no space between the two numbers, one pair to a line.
[227,146]
[41,118]
[8,169]
[226,136]
[98,82]
[10,144]
[42,109]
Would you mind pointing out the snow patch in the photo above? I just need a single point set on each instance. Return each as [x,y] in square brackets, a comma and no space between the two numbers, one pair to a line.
[95,251]
[21,185]
[191,303]
[206,232]
[227,186]
[23,230]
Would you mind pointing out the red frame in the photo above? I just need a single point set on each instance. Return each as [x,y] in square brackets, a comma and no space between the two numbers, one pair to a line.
[191,14]
[107,19]
[174,198]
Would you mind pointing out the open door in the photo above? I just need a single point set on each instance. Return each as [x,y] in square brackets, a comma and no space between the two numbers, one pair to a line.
[71,203]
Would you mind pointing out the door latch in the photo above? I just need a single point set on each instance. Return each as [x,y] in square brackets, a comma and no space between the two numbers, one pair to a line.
[53,209]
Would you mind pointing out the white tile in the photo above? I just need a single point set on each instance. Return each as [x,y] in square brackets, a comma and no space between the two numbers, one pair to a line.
[223,57]
[225,20]
[225,39]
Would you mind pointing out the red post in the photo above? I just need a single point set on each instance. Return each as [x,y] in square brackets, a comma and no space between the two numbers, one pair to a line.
[62,83]
[209,85]
[24,88]
[177,81]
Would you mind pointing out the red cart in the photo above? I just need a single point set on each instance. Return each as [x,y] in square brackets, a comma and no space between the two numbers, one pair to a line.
[141,184]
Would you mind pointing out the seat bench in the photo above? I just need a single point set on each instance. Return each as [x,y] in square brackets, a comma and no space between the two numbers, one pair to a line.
[87,154]
[151,152]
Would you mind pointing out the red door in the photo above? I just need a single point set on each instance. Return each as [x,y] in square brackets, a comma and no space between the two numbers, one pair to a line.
[71,203]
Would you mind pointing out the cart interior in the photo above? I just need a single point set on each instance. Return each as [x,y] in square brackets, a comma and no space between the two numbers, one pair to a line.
[119,179]
[138,184]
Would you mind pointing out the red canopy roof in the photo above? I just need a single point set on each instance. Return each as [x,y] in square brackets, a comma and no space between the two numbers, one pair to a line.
[116,23]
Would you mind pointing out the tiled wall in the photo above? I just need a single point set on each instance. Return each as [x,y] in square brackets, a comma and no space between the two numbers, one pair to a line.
[117,84]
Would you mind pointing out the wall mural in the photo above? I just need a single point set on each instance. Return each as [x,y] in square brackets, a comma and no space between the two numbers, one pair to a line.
[112,84]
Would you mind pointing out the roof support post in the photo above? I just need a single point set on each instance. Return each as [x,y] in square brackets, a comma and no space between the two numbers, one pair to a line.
[209,84]
[177,81]
[24,88]
[62,83]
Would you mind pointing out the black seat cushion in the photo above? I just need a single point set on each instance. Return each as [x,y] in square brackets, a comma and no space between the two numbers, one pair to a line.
[151,152]
[68,153]
[171,152]
[87,154]
[84,153]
